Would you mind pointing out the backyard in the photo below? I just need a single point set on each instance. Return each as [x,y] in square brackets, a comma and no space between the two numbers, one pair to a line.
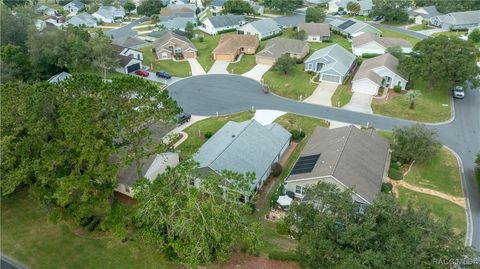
[245,64]
[295,85]
[176,69]
[389,33]
[334,38]
[342,95]
[205,48]
[433,105]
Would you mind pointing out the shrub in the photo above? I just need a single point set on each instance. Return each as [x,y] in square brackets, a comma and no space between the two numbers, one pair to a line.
[201,38]
[283,256]
[276,169]
[297,135]
[386,187]
[397,88]
[208,134]
[369,55]
[93,225]
[282,227]
[394,165]
[474,36]
[395,174]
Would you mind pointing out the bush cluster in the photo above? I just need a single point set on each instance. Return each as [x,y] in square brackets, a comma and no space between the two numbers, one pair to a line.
[208,134]
[397,89]
[297,135]
[283,256]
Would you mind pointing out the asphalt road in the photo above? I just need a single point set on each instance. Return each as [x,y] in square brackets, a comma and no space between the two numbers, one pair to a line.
[225,94]
[126,30]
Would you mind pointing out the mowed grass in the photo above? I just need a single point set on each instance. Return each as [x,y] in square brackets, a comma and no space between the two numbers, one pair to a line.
[334,38]
[430,106]
[29,237]
[342,96]
[204,50]
[440,173]
[244,65]
[295,85]
[176,69]
[196,132]
[451,33]
[419,27]
[389,33]
[441,209]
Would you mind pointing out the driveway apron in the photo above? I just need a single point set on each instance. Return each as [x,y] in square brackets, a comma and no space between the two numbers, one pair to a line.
[219,67]
[196,68]
[257,71]
[360,102]
[323,94]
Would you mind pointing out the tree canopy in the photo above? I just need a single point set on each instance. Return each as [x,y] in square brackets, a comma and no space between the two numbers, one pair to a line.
[353,7]
[129,7]
[14,28]
[283,6]
[284,64]
[395,11]
[195,225]
[149,7]
[315,14]
[447,6]
[442,58]
[332,234]
[238,7]
[68,140]
[417,143]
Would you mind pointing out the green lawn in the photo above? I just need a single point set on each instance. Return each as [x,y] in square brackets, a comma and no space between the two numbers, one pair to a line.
[440,173]
[341,96]
[395,23]
[205,48]
[451,33]
[197,130]
[28,236]
[419,27]
[294,85]
[441,209]
[389,33]
[177,69]
[335,38]
[429,106]
[245,64]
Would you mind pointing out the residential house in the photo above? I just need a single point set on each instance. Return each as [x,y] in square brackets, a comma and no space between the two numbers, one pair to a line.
[40,25]
[334,63]
[380,71]
[59,77]
[109,14]
[457,20]
[74,6]
[47,11]
[150,168]
[55,21]
[130,60]
[178,10]
[177,23]
[347,157]
[279,46]
[257,9]
[423,14]
[170,45]
[262,28]
[130,42]
[315,32]
[366,6]
[83,20]
[217,7]
[222,23]
[244,147]
[373,44]
[230,46]
[352,27]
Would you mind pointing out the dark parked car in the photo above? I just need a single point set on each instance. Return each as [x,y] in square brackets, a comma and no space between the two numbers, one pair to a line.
[141,73]
[163,74]
[183,118]
[377,18]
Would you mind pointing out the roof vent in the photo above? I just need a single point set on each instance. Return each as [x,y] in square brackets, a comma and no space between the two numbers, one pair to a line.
[233,136]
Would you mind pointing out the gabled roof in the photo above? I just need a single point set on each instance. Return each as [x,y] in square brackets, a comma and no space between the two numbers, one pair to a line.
[385,42]
[149,168]
[177,23]
[357,158]
[265,26]
[366,70]
[230,43]
[128,41]
[337,58]
[110,11]
[278,46]
[76,3]
[83,18]
[312,28]
[425,12]
[168,35]
[226,20]
[178,10]
[243,147]
[465,17]
[350,26]
[59,77]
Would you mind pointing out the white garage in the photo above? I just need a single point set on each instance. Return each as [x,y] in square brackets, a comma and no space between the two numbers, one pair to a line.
[365,86]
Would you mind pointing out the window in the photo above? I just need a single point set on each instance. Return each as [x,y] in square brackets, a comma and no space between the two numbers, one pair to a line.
[299,189]
[127,189]
[314,38]
[310,66]
[164,55]
[399,83]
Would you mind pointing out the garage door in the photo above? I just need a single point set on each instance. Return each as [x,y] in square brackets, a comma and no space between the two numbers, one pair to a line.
[133,67]
[331,78]
[224,57]
[262,60]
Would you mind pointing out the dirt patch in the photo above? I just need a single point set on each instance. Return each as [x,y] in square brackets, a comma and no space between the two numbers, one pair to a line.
[241,260]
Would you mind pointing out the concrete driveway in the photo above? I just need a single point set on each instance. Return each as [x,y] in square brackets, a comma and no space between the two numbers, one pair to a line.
[323,94]
[219,67]
[267,116]
[360,102]
[196,68]
[257,71]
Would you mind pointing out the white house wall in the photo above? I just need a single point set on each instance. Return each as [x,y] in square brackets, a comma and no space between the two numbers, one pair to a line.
[383,72]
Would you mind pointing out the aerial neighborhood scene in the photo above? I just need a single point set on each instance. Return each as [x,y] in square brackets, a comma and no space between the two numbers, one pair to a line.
[240,134]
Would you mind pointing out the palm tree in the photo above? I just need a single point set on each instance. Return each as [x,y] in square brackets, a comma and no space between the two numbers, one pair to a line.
[412,97]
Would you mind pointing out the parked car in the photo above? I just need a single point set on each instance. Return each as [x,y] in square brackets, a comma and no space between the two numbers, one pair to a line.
[163,74]
[183,118]
[377,18]
[458,92]
[341,13]
[141,73]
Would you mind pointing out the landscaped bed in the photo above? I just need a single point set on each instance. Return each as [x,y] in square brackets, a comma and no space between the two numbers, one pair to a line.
[205,48]
[295,85]
[244,65]
[432,106]
[342,96]
[176,69]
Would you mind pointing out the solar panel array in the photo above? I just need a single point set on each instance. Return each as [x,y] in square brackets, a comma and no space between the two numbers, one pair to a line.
[346,24]
[305,164]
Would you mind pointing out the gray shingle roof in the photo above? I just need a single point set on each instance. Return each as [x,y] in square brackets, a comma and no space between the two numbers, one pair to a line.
[386,42]
[354,25]
[356,158]
[226,20]
[150,168]
[243,147]
[59,77]
[337,57]
[77,4]
[177,23]
[265,26]
[431,11]
[129,41]
[278,46]
[82,19]
[465,17]
[311,28]
[111,11]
